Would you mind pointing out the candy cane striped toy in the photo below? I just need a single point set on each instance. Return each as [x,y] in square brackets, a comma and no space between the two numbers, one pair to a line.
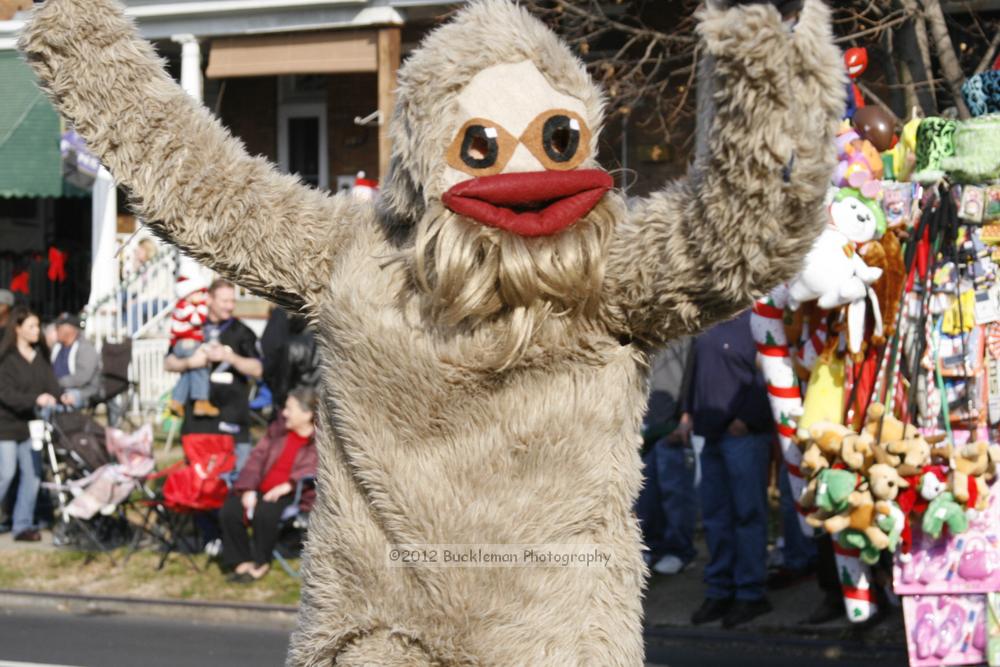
[785,397]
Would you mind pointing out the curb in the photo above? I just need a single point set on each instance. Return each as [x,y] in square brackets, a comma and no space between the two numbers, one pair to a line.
[270,615]
[872,646]
[284,616]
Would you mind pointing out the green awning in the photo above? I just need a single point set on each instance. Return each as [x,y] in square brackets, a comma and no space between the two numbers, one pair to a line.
[30,162]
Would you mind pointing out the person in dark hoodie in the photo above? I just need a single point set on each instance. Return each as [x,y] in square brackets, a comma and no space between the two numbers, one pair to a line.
[727,404]
[285,456]
[27,382]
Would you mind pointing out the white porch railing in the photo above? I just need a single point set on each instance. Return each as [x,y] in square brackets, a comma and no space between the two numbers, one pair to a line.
[138,307]
[147,370]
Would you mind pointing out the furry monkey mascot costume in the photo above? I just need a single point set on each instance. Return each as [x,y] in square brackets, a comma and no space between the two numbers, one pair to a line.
[487,323]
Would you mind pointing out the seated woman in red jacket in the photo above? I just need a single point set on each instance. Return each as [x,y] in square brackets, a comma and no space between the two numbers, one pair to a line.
[266,487]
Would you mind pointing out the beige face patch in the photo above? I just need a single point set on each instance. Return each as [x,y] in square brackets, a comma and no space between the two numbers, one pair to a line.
[558,139]
[510,119]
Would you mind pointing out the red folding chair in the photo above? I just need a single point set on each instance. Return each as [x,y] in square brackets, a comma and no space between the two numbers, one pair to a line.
[192,486]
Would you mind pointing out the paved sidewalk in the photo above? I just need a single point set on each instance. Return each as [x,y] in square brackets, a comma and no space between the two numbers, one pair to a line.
[7,543]
[670,601]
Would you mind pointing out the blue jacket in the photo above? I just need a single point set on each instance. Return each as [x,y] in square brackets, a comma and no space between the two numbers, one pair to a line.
[726,383]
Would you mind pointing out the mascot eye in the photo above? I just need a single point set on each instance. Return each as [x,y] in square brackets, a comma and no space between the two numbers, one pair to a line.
[479,147]
[561,138]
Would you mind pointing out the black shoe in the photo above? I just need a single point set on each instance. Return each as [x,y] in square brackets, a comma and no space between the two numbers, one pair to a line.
[712,609]
[830,608]
[28,536]
[786,578]
[241,578]
[744,611]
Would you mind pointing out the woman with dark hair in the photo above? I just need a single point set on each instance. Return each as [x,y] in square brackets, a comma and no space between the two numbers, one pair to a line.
[285,456]
[27,382]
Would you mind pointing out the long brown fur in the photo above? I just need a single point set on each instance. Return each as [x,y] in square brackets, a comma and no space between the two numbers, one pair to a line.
[427,435]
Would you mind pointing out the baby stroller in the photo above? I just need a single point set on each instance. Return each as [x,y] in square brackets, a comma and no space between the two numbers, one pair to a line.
[94,473]
[79,441]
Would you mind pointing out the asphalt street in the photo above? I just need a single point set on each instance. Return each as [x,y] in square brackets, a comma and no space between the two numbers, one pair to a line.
[31,638]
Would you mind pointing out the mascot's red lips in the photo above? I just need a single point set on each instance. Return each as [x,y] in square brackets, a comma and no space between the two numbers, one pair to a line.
[537,203]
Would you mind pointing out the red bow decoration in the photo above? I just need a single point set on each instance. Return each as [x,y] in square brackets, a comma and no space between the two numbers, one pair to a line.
[57,265]
[19,283]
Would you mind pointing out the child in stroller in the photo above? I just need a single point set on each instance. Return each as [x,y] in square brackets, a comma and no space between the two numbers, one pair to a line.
[186,335]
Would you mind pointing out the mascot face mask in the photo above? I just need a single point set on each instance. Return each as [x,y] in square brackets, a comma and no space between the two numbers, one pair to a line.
[522,155]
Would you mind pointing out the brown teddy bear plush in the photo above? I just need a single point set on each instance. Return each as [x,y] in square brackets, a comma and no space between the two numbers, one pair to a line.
[885,427]
[822,449]
[970,466]
[915,453]
[886,432]
[857,451]
[823,446]
[885,482]
[8,8]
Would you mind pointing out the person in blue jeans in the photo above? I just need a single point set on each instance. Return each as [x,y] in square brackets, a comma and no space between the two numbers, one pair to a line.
[27,384]
[727,405]
[667,506]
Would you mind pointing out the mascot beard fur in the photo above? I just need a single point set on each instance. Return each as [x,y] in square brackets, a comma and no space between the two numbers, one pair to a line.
[487,323]
[472,275]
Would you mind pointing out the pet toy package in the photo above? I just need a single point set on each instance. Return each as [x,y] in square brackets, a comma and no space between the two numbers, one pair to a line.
[963,563]
[945,629]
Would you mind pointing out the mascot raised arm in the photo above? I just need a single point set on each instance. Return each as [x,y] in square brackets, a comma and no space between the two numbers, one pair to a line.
[487,323]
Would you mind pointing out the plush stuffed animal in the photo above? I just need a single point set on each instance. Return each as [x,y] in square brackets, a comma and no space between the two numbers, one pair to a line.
[825,444]
[885,427]
[831,495]
[891,520]
[834,273]
[487,322]
[885,482]
[944,511]
[860,517]
[886,254]
[863,526]
[915,453]
[970,465]
[857,453]
[860,167]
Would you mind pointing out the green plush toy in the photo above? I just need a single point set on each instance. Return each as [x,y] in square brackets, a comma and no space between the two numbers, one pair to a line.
[944,510]
[855,539]
[833,489]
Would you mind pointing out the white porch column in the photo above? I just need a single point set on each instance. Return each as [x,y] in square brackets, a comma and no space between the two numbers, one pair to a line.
[191,78]
[193,84]
[104,265]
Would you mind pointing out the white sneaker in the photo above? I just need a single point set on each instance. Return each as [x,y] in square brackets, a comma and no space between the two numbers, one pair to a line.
[213,548]
[668,565]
